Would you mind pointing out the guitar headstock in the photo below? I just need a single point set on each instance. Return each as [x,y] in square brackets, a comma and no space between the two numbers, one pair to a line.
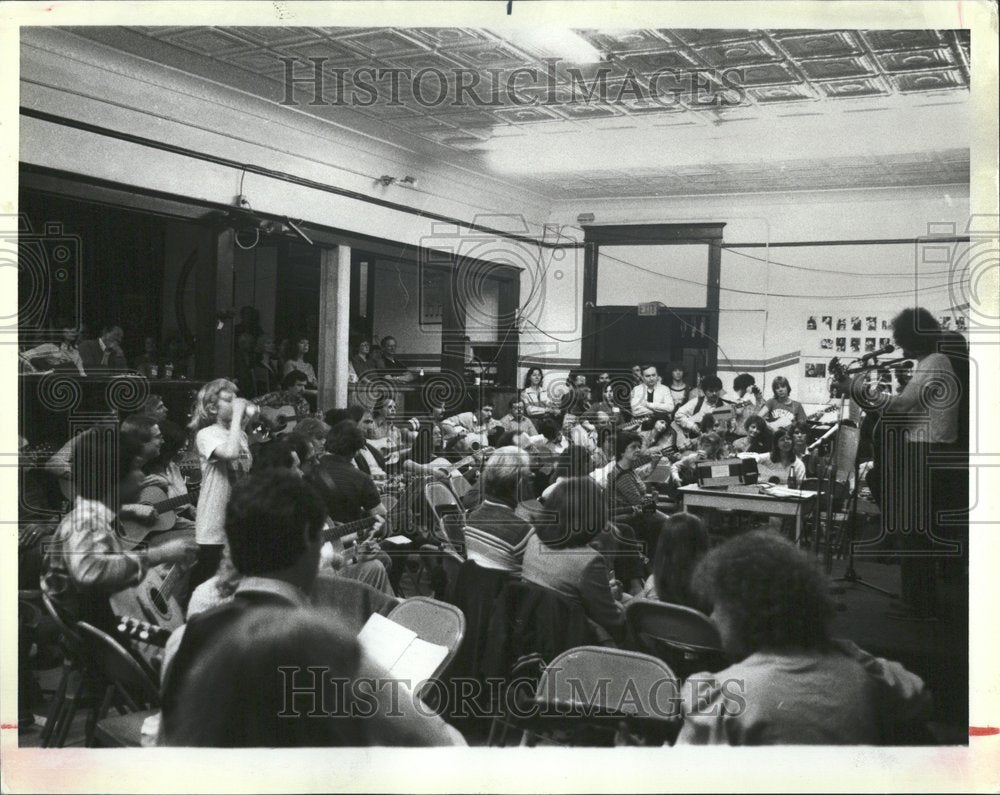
[142,631]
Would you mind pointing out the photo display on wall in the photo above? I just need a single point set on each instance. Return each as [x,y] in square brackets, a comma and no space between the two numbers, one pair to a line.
[849,337]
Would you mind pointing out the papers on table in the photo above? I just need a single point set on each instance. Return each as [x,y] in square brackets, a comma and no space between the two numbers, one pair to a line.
[399,651]
[784,491]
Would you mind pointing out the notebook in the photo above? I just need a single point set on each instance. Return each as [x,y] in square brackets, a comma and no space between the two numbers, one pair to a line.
[399,651]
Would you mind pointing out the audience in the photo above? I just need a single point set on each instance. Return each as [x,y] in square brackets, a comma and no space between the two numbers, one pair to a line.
[558,554]
[795,684]
[105,352]
[683,543]
[757,438]
[495,535]
[86,560]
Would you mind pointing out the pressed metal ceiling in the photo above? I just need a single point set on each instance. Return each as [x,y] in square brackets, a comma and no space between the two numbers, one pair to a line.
[723,98]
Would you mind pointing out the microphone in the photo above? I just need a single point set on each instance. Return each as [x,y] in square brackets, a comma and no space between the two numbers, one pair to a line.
[885,349]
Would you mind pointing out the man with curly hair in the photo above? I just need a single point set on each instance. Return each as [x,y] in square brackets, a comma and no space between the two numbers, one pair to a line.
[790,681]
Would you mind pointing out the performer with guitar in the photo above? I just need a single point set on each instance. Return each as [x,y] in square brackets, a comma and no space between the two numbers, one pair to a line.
[282,409]
[781,411]
[350,495]
[687,420]
[165,489]
[86,560]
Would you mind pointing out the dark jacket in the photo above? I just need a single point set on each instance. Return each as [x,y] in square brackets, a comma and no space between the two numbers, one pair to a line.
[531,620]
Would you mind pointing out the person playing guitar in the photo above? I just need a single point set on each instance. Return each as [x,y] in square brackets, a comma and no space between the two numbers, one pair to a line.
[86,559]
[781,411]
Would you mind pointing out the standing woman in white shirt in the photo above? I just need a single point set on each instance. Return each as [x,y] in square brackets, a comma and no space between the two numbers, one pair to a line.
[925,418]
[536,401]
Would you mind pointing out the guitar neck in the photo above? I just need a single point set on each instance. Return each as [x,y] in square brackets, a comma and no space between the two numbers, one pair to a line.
[174,502]
[346,529]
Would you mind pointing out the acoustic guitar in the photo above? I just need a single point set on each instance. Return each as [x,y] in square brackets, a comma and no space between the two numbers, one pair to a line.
[153,599]
[156,497]
[280,420]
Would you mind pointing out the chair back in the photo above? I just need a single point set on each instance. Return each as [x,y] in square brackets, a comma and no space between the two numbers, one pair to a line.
[604,682]
[433,621]
[459,485]
[115,664]
[683,636]
[446,511]
[70,637]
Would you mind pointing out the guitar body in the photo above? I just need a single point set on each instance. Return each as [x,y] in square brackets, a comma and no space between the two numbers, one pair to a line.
[152,601]
[280,420]
[157,498]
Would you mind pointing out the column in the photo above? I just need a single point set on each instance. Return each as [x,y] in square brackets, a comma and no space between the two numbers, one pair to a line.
[334,326]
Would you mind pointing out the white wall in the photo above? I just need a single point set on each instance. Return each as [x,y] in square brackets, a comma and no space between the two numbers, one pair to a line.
[763,333]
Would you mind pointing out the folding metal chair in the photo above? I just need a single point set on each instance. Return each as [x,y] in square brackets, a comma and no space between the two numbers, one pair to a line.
[435,622]
[70,687]
[601,689]
[449,518]
[127,685]
[683,637]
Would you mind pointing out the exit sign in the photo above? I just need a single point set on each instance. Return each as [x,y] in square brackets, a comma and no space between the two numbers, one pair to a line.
[649,308]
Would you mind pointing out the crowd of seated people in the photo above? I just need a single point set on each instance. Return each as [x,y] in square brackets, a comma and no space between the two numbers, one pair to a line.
[555,492]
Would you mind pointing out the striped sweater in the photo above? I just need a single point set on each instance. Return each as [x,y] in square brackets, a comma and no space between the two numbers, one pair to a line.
[495,537]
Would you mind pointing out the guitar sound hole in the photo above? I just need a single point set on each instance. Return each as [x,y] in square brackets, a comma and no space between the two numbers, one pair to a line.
[158,601]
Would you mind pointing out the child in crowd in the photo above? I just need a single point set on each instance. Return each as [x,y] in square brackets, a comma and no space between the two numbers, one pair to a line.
[224,453]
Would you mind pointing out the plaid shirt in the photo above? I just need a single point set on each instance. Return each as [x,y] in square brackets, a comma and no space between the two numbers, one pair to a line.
[86,555]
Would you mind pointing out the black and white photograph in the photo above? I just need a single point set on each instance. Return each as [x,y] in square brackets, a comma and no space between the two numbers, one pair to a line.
[476,377]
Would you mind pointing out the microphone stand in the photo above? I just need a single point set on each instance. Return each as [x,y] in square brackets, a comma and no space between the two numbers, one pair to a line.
[850,575]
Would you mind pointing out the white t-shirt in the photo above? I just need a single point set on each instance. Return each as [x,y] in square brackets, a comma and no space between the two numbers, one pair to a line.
[217,476]
[767,469]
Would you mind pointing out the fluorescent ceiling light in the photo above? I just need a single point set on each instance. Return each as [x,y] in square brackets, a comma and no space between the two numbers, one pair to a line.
[559,42]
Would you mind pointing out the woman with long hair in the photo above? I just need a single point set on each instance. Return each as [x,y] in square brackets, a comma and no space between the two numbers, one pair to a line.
[683,543]
[294,354]
[774,467]
[536,401]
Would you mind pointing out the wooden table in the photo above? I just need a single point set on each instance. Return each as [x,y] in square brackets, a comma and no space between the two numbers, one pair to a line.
[750,499]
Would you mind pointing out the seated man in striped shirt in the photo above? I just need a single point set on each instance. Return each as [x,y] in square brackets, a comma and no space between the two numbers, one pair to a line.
[495,537]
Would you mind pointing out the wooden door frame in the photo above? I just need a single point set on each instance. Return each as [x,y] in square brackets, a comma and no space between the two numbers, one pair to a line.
[650,235]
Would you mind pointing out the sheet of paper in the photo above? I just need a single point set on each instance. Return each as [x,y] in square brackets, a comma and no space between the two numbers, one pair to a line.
[419,662]
[398,540]
[384,641]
